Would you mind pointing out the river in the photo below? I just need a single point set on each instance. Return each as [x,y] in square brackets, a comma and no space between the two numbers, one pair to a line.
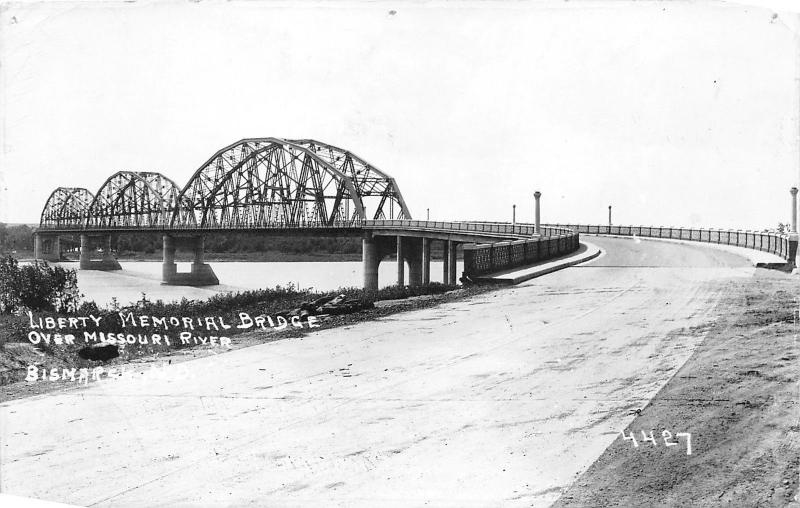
[137,277]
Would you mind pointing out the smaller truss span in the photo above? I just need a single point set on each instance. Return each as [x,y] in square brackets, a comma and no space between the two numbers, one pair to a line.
[66,208]
[131,199]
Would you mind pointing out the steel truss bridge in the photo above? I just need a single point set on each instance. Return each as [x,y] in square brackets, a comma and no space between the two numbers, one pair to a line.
[267,185]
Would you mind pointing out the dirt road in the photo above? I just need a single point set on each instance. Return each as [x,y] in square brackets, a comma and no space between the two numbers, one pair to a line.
[499,400]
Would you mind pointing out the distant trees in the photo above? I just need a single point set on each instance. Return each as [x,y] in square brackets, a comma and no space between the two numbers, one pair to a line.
[20,238]
[13,238]
[290,245]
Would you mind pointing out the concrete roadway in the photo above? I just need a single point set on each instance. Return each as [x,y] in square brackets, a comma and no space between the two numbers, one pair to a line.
[499,400]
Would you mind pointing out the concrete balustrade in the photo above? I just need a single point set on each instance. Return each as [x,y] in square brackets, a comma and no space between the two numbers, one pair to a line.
[780,244]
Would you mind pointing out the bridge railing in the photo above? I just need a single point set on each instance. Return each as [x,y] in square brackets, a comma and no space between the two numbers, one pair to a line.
[351,224]
[464,227]
[496,228]
[482,259]
[771,242]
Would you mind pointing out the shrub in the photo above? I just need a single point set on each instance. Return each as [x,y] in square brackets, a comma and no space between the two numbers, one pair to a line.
[37,286]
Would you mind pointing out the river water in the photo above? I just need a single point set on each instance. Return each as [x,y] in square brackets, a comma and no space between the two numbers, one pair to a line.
[137,277]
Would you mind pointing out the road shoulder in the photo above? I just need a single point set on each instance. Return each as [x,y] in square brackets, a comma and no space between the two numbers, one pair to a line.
[737,396]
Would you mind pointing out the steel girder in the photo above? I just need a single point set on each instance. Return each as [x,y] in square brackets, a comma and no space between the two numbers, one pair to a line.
[272,182]
[134,199]
[66,207]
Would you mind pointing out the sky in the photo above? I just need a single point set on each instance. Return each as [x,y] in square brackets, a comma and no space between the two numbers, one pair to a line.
[674,113]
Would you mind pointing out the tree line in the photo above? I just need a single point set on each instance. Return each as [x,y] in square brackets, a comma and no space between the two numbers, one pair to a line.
[19,239]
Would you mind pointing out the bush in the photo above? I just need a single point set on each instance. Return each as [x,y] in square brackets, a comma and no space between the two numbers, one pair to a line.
[37,286]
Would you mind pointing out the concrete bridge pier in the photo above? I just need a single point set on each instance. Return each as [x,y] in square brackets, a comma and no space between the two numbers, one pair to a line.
[413,254]
[373,250]
[451,262]
[426,261]
[401,262]
[201,273]
[371,261]
[47,247]
[85,253]
[106,263]
[168,267]
[445,261]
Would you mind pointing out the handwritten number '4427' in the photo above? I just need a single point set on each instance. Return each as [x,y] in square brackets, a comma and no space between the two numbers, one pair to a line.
[667,435]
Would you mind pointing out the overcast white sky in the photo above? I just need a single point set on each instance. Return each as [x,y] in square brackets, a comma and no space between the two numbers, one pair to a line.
[674,113]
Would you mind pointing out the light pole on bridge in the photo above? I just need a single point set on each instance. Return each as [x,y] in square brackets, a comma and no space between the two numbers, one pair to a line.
[609,215]
[537,211]
[513,215]
[793,230]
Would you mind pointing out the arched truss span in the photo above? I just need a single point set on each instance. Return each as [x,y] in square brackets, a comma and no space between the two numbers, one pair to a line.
[378,191]
[272,182]
[66,207]
[134,199]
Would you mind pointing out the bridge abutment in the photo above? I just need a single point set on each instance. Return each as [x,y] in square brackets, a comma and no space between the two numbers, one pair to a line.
[201,273]
[107,262]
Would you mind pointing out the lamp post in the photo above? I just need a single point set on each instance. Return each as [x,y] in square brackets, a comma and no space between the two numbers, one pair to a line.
[609,215]
[513,215]
[538,215]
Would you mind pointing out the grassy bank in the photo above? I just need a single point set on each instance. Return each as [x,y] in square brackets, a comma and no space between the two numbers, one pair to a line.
[16,349]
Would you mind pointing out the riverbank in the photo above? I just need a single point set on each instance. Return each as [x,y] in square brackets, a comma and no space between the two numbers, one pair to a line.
[139,359]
